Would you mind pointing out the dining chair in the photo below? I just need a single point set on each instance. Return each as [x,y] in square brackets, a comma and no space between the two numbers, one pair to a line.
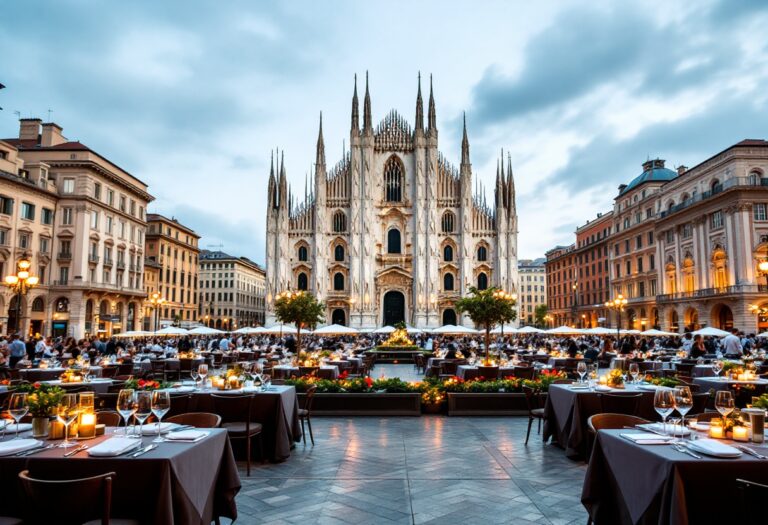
[608,421]
[535,409]
[685,369]
[108,418]
[448,368]
[420,363]
[196,419]
[158,370]
[125,369]
[69,501]
[308,370]
[700,401]
[235,412]
[106,401]
[619,403]
[523,372]
[306,412]
[752,497]
[109,371]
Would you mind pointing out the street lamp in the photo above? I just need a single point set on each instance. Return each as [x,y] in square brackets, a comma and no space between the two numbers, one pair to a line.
[762,268]
[504,296]
[157,301]
[20,284]
[548,320]
[617,305]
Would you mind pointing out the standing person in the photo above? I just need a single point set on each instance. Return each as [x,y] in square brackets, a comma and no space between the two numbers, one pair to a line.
[17,350]
[732,344]
[697,348]
[31,347]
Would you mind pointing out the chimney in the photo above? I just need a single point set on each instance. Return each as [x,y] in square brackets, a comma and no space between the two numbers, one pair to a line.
[52,135]
[681,169]
[29,129]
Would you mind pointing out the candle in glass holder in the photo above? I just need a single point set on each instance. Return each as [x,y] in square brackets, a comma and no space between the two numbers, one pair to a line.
[716,429]
[740,433]
[234,383]
[87,426]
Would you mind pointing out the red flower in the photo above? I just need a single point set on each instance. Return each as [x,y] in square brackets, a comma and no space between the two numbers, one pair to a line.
[36,384]
[344,374]
[369,382]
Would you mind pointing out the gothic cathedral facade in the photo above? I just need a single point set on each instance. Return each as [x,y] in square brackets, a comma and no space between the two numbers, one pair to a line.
[393,232]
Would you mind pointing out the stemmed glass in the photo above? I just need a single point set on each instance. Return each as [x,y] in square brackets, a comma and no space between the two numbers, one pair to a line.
[143,408]
[126,405]
[664,404]
[724,403]
[202,370]
[85,366]
[634,371]
[194,375]
[66,413]
[18,408]
[683,403]
[717,367]
[581,368]
[161,404]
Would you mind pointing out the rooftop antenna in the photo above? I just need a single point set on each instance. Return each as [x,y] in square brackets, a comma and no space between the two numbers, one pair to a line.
[17,113]
[49,114]
[219,246]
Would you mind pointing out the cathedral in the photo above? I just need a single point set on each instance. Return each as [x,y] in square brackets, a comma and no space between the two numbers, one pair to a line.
[393,231]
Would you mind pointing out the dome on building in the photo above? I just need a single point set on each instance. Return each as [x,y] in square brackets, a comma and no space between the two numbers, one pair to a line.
[653,171]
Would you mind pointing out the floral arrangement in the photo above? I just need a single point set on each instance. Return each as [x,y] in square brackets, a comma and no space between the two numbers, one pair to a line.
[72,375]
[615,378]
[5,382]
[669,382]
[146,384]
[398,338]
[547,377]
[307,359]
[760,402]
[42,398]
[432,396]
[730,365]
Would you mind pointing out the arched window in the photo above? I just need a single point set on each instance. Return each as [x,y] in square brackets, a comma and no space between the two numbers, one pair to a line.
[393,180]
[338,281]
[482,281]
[482,253]
[62,305]
[38,305]
[302,253]
[447,223]
[755,178]
[338,253]
[448,253]
[302,283]
[448,282]
[716,187]
[393,241]
[339,222]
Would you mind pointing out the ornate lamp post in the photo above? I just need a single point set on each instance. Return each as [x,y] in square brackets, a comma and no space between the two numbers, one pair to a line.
[617,305]
[504,296]
[762,269]
[20,284]
[548,320]
[156,300]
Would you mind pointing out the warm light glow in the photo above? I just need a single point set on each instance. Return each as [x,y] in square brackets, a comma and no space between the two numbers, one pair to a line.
[763,266]
[23,275]
[11,280]
[32,281]
[24,264]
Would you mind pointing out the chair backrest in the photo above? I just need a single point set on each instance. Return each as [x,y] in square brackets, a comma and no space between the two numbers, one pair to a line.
[752,497]
[109,418]
[532,398]
[619,403]
[125,369]
[523,372]
[109,371]
[448,367]
[233,408]
[158,365]
[196,419]
[309,398]
[699,402]
[64,502]
[308,370]
[488,372]
[608,421]
[685,369]
[106,401]
[179,404]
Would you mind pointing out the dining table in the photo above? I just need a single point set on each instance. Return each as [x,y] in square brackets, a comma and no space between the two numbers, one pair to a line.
[176,483]
[568,407]
[630,483]
[287,371]
[723,383]
[42,374]
[100,385]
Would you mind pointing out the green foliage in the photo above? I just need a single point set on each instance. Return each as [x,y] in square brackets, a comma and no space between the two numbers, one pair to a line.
[760,402]
[668,382]
[301,309]
[540,312]
[42,398]
[394,385]
[487,308]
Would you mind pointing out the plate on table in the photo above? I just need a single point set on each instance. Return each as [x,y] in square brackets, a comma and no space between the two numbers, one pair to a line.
[577,386]
[181,389]
[603,388]
[14,446]
[10,427]
[701,427]
[227,392]
[714,448]
[672,430]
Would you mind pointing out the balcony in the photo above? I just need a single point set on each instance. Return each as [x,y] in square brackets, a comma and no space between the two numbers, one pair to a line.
[64,256]
[121,265]
[108,262]
[737,182]
[714,292]
[93,258]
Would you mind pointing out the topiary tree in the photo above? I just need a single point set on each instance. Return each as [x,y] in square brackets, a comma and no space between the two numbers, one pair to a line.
[488,308]
[301,309]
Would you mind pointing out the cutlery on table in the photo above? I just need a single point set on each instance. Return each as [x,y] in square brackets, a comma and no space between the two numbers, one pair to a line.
[651,430]
[34,450]
[143,450]
[751,452]
[75,451]
[685,450]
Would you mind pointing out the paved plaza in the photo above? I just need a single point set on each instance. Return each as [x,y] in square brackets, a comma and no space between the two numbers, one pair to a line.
[431,469]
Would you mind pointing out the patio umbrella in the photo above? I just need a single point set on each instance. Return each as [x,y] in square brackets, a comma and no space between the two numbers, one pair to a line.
[336,329]
[384,330]
[453,329]
[205,330]
[506,329]
[413,330]
[250,330]
[764,334]
[172,330]
[565,330]
[659,333]
[530,330]
[599,330]
[711,331]
[284,329]
[630,332]
[134,333]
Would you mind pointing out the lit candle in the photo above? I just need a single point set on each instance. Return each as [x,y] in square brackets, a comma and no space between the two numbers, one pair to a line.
[87,427]
[740,434]
[716,430]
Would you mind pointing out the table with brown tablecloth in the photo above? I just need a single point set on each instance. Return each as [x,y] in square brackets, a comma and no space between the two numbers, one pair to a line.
[703,371]
[177,483]
[644,484]
[98,385]
[45,374]
[567,411]
[278,412]
[719,383]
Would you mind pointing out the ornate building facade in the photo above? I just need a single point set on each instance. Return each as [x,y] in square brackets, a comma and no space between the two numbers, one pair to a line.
[532,291]
[392,232]
[232,291]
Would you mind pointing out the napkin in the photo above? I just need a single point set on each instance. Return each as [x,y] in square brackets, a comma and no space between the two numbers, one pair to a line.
[114,446]
[647,387]
[646,438]
[676,430]
[10,426]
[151,428]
[713,447]
[186,436]
[14,446]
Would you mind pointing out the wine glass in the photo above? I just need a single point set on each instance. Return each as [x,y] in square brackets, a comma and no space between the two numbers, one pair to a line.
[266,380]
[634,371]
[161,404]
[143,408]
[683,403]
[85,366]
[664,404]
[724,403]
[18,408]
[202,371]
[126,405]
[194,375]
[581,368]
[66,413]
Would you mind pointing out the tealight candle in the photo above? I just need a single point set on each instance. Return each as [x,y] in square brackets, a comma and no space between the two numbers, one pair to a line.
[740,433]
[716,430]
[87,426]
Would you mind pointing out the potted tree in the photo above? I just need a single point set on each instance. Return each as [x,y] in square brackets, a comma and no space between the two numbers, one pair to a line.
[301,309]
[488,308]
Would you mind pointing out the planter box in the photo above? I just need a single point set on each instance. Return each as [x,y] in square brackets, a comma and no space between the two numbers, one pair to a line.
[365,404]
[487,404]
[396,354]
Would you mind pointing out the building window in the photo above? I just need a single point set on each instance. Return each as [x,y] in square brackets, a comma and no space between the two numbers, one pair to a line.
[68,186]
[338,253]
[482,281]
[639,242]
[717,219]
[24,240]
[447,223]
[650,238]
[687,231]
[338,281]
[94,220]
[6,205]
[448,282]
[63,275]
[759,212]
[302,253]
[755,178]
[448,253]
[28,211]
[339,222]
[111,197]
[393,241]
[44,244]
[302,282]
[97,191]
[482,253]
[393,180]
[46,216]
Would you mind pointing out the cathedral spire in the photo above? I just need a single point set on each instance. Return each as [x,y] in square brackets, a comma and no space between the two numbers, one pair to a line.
[355,109]
[367,123]
[283,189]
[465,144]
[419,109]
[510,183]
[272,196]
[432,124]
[320,157]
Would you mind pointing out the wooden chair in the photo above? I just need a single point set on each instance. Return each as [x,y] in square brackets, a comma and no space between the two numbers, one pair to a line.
[109,371]
[106,401]
[448,368]
[235,412]
[420,364]
[308,370]
[158,370]
[179,404]
[306,412]
[196,419]
[523,372]
[125,369]
[752,497]
[608,421]
[685,369]
[699,403]
[73,501]
[619,403]
[535,409]
[109,418]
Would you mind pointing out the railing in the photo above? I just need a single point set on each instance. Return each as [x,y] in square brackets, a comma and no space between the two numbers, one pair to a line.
[711,292]
[93,258]
[108,262]
[121,265]
[718,188]
[65,256]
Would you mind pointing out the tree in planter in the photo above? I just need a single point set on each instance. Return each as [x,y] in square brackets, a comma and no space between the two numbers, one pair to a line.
[488,308]
[540,313]
[301,309]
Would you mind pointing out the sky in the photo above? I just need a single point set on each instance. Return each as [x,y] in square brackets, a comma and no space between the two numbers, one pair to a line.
[191,97]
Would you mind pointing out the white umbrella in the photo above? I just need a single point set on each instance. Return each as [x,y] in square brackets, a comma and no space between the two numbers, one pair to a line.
[134,333]
[506,329]
[764,334]
[205,330]
[414,330]
[630,332]
[564,330]
[249,330]
[530,330]
[384,330]
[453,329]
[599,330]
[711,331]
[172,330]
[284,329]
[335,329]
[659,333]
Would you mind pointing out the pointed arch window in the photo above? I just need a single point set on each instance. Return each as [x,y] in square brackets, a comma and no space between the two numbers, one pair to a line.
[393,180]
[448,282]
[338,253]
[448,253]
[303,253]
[393,241]
[338,281]
[339,222]
[482,281]
[302,282]
[448,222]
[482,253]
